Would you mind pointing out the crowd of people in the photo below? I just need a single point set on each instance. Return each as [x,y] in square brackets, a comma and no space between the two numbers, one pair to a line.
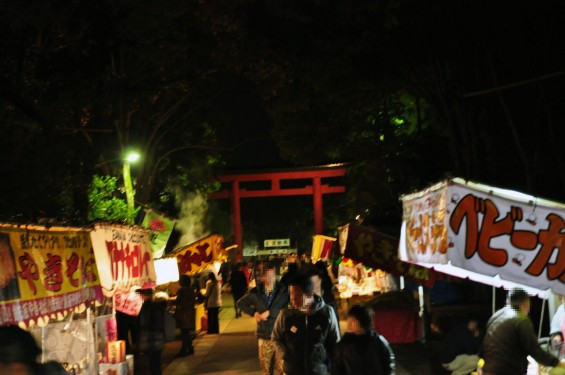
[298,332]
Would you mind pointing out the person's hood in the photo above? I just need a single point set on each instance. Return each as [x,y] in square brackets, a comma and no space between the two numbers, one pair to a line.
[317,305]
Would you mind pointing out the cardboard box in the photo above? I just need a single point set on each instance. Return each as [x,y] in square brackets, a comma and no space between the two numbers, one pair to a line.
[113,368]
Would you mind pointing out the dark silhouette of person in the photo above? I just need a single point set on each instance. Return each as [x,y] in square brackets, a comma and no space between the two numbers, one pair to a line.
[185,314]
[151,326]
[19,354]
[362,350]
[238,283]
[213,303]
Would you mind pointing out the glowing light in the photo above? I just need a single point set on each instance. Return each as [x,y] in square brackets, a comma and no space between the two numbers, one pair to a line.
[132,157]
[167,270]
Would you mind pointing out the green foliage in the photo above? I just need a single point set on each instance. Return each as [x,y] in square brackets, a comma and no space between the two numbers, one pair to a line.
[104,203]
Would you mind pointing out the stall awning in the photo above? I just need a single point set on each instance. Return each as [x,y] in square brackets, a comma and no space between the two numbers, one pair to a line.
[487,234]
[45,273]
[196,256]
[378,251]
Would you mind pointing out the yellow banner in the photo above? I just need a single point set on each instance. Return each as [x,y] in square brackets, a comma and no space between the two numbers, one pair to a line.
[54,268]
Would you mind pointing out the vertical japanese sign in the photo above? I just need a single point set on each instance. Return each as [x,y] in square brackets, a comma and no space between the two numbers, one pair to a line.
[518,239]
[161,228]
[192,258]
[44,272]
[123,256]
[378,251]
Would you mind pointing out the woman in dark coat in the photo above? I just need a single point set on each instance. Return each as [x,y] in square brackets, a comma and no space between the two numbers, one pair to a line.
[362,350]
[185,314]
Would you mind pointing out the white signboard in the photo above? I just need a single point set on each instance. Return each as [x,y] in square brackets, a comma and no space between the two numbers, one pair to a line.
[282,242]
[256,252]
[123,256]
[487,231]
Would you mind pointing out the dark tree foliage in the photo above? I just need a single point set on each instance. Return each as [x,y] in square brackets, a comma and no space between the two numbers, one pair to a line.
[406,92]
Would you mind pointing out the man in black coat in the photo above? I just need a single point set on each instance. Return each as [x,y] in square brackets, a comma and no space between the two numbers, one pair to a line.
[305,334]
[510,338]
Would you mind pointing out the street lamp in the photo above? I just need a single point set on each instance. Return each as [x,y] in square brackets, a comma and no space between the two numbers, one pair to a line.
[131,157]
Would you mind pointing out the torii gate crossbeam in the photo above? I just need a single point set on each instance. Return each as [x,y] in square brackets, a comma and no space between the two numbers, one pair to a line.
[317,189]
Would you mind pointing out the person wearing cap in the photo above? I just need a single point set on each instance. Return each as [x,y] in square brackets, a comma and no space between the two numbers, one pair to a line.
[151,326]
[510,338]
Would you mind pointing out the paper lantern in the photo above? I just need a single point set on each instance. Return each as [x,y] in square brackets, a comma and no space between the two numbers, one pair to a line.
[167,270]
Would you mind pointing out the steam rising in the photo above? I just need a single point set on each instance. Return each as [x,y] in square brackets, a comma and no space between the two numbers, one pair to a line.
[192,217]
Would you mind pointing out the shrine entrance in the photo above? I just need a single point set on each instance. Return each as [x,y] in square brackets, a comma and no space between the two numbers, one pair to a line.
[279,184]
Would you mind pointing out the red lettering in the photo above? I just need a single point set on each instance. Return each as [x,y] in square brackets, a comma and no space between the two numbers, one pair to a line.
[53,275]
[72,266]
[29,271]
[552,238]
[479,240]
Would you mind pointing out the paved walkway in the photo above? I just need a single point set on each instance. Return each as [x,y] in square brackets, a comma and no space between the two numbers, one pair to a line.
[234,351]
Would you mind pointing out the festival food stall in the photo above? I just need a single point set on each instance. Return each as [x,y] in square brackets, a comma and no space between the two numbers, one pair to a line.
[197,260]
[48,281]
[490,235]
[125,263]
[370,262]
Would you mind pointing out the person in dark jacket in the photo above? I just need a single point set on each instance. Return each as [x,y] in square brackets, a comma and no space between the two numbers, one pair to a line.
[362,350]
[238,283]
[185,314]
[510,338]
[460,353]
[151,325]
[327,285]
[264,302]
[306,332]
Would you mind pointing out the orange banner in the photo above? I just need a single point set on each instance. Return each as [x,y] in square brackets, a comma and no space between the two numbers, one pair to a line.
[196,256]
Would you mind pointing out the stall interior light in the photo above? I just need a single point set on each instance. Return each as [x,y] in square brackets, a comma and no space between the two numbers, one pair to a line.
[167,270]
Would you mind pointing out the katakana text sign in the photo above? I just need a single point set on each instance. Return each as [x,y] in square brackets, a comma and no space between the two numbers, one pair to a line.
[522,241]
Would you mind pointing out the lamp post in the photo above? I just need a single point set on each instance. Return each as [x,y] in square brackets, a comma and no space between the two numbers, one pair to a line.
[131,157]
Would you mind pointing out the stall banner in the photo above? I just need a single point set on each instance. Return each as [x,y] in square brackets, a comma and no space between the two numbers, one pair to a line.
[45,273]
[128,302]
[161,228]
[322,247]
[124,258]
[379,251]
[196,256]
[488,231]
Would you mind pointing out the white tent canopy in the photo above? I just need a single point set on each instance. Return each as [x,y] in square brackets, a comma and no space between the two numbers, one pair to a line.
[490,235]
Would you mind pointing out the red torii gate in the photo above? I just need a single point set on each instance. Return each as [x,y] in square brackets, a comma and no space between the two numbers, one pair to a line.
[316,189]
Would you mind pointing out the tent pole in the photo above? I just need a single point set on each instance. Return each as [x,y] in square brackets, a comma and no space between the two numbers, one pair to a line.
[422,312]
[493,299]
[541,317]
